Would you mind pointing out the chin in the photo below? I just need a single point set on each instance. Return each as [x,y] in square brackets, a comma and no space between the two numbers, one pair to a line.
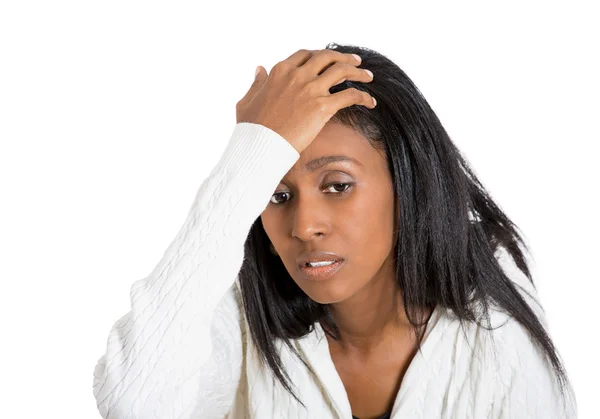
[327,293]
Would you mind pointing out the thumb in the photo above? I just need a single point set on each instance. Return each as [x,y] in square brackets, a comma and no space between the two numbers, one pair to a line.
[260,74]
[259,79]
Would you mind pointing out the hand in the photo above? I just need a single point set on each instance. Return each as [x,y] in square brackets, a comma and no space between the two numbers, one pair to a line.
[294,100]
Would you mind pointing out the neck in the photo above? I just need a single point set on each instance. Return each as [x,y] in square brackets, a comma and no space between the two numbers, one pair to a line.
[371,319]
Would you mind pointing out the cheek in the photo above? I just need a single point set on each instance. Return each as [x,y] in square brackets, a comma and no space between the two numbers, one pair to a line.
[371,231]
[268,224]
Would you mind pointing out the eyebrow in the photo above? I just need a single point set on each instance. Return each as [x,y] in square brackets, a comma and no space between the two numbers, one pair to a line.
[315,164]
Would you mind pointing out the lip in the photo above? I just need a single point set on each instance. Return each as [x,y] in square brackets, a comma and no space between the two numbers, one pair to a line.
[323,272]
[316,257]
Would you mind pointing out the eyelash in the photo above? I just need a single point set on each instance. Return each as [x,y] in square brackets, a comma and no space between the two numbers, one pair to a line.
[344,192]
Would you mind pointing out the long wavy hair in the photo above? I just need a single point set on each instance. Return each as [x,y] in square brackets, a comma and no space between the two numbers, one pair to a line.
[443,257]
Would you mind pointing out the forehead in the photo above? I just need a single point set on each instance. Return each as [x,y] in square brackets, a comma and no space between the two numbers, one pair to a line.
[336,143]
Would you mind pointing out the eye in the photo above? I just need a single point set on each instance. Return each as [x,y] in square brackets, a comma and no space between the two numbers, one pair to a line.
[342,184]
[277,194]
[345,190]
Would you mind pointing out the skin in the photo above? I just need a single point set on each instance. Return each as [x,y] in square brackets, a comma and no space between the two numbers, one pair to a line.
[376,344]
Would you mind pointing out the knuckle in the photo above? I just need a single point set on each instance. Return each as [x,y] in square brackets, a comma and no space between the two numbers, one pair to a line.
[330,54]
[322,105]
[340,66]
[348,68]
[311,88]
[294,73]
[280,68]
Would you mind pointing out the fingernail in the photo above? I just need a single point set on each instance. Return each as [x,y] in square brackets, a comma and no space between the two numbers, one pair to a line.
[358,57]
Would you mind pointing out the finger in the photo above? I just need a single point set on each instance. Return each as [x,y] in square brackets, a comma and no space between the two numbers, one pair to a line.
[300,57]
[321,60]
[259,80]
[339,72]
[349,97]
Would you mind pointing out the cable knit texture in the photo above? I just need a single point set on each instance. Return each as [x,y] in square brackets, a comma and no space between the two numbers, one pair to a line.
[183,350]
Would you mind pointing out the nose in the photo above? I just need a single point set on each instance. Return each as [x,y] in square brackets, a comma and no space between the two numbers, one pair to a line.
[310,219]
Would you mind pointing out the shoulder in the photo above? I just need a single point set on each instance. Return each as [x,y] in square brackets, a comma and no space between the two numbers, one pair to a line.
[503,373]
[507,359]
[526,384]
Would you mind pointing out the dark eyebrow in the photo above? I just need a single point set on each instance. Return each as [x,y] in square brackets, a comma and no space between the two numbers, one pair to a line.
[315,164]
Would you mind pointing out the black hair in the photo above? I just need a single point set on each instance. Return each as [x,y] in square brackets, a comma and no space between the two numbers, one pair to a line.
[443,257]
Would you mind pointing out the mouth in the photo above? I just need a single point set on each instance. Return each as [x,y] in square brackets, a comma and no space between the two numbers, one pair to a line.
[321,270]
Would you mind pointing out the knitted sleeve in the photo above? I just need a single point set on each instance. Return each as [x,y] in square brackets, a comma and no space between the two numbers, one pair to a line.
[178,352]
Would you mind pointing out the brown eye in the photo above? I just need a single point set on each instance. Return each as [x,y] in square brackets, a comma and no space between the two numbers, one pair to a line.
[276,194]
[345,188]
[347,185]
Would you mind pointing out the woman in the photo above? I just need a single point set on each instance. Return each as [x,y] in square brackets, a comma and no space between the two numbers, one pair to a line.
[340,261]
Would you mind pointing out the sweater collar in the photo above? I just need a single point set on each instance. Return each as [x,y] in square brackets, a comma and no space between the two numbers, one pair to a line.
[316,353]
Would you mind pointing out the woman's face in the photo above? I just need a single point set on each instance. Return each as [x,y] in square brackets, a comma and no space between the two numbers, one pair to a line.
[309,213]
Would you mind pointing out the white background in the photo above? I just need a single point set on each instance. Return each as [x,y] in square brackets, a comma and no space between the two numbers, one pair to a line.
[113,112]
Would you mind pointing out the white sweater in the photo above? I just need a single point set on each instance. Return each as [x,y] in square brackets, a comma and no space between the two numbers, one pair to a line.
[183,350]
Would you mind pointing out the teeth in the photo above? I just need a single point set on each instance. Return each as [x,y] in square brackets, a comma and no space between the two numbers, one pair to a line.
[324,263]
